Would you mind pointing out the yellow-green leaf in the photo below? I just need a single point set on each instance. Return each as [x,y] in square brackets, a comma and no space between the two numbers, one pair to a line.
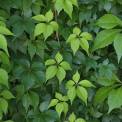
[51,72]
[82,93]
[61,73]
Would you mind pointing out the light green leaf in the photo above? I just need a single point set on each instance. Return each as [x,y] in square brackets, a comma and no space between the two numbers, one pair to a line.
[51,72]
[80,120]
[49,16]
[86,83]
[4,58]
[7,94]
[72,117]
[74,2]
[50,62]
[65,98]
[39,29]
[87,36]
[82,93]
[118,46]
[59,5]
[71,37]
[115,99]
[3,105]
[5,31]
[40,18]
[53,102]
[58,96]
[61,73]
[105,38]
[58,57]
[3,44]
[70,84]
[54,25]
[3,77]
[48,31]
[65,65]
[85,45]
[59,108]
[109,21]
[65,107]
[75,45]
[71,93]
[76,77]
[76,31]
[68,8]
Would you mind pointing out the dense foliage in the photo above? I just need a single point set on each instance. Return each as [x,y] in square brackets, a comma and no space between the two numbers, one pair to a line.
[60,60]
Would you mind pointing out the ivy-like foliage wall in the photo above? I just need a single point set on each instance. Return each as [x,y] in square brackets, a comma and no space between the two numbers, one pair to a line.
[60,60]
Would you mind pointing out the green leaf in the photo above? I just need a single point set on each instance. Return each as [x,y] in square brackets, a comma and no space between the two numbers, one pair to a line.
[39,29]
[118,46]
[76,31]
[71,93]
[70,84]
[65,65]
[68,8]
[9,121]
[101,94]
[80,120]
[71,37]
[75,45]
[72,117]
[82,93]
[40,18]
[74,2]
[115,99]
[54,25]
[59,5]
[44,106]
[58,57]
[61,73]
[48,31]
[34,99]
[26,101]
[5,31]
[87,36]
[3,44]
[31,50]
[109,21]
[65,98]
[85,45]
[3,77]
[58,96]
[3,105]
[49,16]
[86,83]
[53,102]
[105,38]
[51,72]
[65,107]
[76,77]
[50,62]
[7,94]
[1,115]
[59,108]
